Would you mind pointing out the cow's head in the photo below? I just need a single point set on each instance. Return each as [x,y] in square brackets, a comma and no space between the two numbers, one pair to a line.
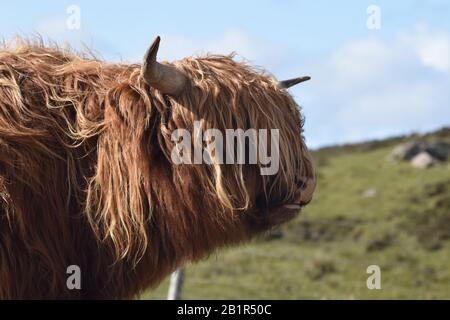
[224,94]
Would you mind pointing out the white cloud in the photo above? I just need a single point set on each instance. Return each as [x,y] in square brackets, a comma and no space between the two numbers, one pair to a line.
[374,88]
[433,48]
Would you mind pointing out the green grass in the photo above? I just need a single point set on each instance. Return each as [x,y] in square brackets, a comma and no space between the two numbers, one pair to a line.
[323,254]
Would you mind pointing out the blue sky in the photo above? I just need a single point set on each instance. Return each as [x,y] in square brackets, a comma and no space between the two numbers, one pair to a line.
[366,83]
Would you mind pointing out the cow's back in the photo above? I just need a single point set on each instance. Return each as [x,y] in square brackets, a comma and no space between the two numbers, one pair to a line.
[43,170]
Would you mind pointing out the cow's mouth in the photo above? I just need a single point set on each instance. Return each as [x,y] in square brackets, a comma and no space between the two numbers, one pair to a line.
[284,213]
[294,206]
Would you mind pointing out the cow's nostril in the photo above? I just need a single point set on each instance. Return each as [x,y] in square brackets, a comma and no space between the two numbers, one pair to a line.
[301,184]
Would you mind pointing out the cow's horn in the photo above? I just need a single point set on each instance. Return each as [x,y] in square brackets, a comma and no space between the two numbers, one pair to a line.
[163,77]
[292,82]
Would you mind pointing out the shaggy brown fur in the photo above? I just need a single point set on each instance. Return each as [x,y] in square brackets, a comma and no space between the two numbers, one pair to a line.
[86,176]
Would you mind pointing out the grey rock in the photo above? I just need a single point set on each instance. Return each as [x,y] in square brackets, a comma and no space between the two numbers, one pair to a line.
[407,151]
[423,160]
[439,150]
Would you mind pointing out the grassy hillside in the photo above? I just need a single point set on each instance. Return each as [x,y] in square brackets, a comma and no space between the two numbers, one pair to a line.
[367,210]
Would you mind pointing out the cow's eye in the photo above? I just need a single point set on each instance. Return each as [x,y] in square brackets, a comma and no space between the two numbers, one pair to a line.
[167,101]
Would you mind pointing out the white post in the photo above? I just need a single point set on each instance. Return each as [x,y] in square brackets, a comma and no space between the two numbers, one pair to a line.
[176,284]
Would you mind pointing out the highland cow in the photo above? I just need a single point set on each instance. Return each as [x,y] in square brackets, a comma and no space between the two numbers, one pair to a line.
[86,176]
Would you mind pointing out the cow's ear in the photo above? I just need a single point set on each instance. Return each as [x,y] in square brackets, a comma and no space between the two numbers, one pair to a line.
[164,77]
